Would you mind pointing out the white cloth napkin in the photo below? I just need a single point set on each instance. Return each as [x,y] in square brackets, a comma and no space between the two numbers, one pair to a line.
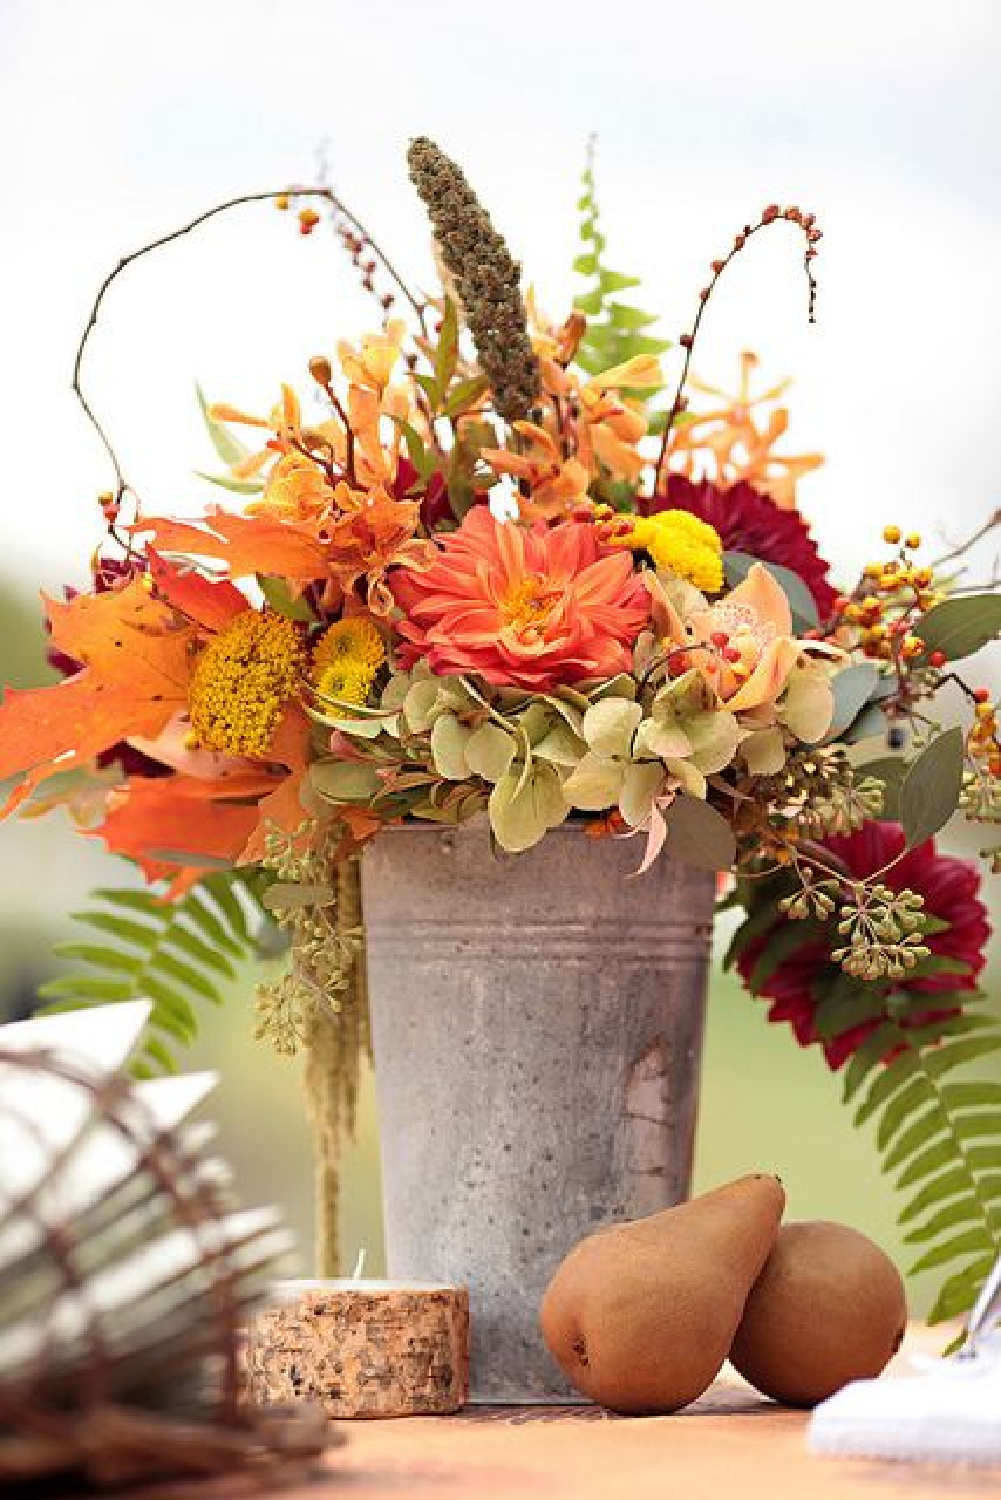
[948,1411]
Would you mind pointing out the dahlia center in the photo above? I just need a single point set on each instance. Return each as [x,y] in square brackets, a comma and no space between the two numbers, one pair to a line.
[528,605]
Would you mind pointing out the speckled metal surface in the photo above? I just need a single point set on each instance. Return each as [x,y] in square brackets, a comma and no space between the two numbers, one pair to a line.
[537,1026]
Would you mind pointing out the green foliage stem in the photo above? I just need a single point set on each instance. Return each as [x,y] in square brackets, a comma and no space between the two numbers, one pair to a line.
[615,329]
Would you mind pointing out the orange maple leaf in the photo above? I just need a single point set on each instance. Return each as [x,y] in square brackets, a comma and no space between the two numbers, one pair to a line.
[184,824]
[245,544]
[283,808]
[135,668]
[203,601]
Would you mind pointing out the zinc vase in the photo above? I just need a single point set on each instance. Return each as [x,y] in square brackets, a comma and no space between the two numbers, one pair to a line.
[537,1026]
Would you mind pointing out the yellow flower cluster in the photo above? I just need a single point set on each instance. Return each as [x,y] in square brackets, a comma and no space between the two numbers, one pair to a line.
[346,659]
[242,681]
[681,543]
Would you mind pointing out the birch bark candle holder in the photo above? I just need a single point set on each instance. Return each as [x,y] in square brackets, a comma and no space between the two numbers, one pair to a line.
[362,1348]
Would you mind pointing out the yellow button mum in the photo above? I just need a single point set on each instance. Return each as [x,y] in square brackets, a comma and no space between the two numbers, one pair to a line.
[681,543]
[346,659]
[355,640]
[242,681]
[344,682]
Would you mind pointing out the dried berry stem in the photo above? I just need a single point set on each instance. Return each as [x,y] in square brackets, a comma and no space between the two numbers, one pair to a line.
[324,193]
[771,215]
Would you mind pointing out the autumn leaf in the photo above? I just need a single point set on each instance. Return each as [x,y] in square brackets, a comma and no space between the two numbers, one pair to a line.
[205,602]
[182,822]
[134,675]
[245,544]
[283,807]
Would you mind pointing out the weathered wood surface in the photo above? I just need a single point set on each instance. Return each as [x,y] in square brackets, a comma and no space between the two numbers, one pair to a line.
[364,1351]
[730,1443]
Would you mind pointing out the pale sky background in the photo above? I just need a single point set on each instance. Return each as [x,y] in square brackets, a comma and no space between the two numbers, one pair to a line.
[123,118]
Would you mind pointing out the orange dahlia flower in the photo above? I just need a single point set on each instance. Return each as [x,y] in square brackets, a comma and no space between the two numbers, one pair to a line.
[523,608]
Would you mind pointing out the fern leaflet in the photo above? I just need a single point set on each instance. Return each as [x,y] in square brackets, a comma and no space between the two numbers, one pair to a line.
[615,329]
[178,954]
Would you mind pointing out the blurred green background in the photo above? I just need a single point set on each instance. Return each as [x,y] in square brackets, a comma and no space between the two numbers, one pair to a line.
[766,1103]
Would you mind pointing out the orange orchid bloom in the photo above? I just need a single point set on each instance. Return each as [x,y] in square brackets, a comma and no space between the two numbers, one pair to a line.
[370,366]
[608,427]
[367,533]
[740,446]
[751,631]
[557,485]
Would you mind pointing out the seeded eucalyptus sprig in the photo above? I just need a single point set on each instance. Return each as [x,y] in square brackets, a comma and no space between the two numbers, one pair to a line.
[486,278]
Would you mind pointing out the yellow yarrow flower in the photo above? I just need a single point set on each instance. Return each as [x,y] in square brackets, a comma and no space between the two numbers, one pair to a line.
[681,543]
[354,640]
[242,681]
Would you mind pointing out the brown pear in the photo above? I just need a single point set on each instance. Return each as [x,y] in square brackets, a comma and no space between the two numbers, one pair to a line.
[640,1316]
[828,1308]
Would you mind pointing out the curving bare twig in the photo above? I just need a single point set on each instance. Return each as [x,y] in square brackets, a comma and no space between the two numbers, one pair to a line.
[326,194]
[770,215]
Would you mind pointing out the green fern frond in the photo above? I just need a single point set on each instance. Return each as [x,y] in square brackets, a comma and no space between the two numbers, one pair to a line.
[941,1142]
[615,329]
[178,954]
[937,1130]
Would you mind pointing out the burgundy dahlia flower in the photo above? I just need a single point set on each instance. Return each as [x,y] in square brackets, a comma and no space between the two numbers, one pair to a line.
[749,521]
[950,889]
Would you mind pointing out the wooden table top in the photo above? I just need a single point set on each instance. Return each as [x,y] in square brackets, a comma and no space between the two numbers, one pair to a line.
[729,1443]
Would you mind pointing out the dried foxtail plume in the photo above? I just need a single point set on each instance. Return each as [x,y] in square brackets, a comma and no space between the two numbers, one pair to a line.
[486,278]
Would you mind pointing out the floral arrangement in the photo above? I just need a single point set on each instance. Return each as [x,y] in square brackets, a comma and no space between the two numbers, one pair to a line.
[491,570]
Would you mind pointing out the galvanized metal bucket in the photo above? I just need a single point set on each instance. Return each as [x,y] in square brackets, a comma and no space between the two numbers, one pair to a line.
[537,1026]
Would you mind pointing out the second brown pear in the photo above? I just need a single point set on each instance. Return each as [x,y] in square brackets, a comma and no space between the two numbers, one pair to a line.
[641,1316]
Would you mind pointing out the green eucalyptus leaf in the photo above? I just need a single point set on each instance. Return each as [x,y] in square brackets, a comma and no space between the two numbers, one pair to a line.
[870,723]
[228,448]
[930,792]
[235,486]
[699,835]
[852,688]
[959,627]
